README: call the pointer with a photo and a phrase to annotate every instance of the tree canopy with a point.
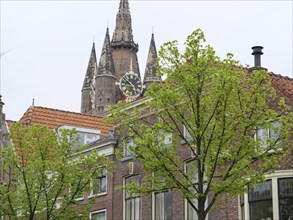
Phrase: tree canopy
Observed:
(197, 131)
(43, 174)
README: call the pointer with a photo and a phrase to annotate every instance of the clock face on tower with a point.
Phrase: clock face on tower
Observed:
(131, 85)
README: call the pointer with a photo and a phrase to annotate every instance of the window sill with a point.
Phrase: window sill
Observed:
(127, 158)
(79, 199)
(97, 195)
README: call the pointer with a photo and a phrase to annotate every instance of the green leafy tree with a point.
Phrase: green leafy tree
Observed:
(43, 174)
(209, 108)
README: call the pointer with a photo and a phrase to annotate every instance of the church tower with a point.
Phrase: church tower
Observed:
(88, 88)
(105, 88)
(124, 48)
(106, 83)
(151, 69)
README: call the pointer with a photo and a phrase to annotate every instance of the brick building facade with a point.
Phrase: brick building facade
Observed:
(102, 88)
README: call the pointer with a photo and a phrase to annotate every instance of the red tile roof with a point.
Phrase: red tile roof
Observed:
(54, 118)
(283, 84)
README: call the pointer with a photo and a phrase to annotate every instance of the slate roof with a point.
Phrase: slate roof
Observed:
(54, 118)
(283, 84)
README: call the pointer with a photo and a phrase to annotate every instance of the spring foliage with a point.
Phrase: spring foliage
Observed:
(43, 173)
(212, 107)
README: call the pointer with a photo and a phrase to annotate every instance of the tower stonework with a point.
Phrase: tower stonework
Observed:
(124, 48)
(151, 69)
(106, 90)
(88, 88)
(119, 56)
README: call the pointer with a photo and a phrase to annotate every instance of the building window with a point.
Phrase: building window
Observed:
(260, 201)
(272, 132)
(186, 133)
(86, 135)
(166, 136)
(130, 143)
(100, 182)
(285, 198)
(86, 138)
(163, 205)
(132, 200)
(191, 171)
(98, 215)
(242, 211)
(73, 190)
(272, 199)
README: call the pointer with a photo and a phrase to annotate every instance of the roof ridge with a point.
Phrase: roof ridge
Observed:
(66, 111)
(280, 76)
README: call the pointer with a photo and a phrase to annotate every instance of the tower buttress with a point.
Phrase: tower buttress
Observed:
(105, 87)
(151, 69)
(122, 43)
(88, 88)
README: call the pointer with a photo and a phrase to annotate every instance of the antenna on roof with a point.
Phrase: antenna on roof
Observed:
(33, 104)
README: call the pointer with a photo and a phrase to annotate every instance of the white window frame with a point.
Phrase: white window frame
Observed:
(154, 200)
(85, 131)
(279, 174)
(185, 200)
(154, 203)
(98, 211)
(268, 133)
(127, 152)
(124, 197)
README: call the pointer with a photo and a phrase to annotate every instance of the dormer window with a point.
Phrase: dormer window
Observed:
(86, 135)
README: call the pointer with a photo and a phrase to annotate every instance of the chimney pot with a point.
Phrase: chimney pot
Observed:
(257, 52)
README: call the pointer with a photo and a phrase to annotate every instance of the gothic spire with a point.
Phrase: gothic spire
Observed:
(150, 70)
(88, 88)
(91, 69)
(106, 64)
(122, 36)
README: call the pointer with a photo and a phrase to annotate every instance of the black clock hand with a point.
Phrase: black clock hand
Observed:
(130, 83)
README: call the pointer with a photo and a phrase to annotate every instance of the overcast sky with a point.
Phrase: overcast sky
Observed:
(48, 43)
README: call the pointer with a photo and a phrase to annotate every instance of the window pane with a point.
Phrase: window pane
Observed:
(260, 198)
(191, 213)
(100, 183)
(132, 200)
(168, 205)
(261, 191)
(242, 213)
(286, 198)
(275, 130)
(164, 206)
(286, 187)
(191, 170)
(81, 138)
(90, 137)
(130, 143)
(286, 208)
(159, 206)
(98, 216)
(129, 180)
(261, 210)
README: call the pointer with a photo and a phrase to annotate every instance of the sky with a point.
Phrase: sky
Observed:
(46, 44)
